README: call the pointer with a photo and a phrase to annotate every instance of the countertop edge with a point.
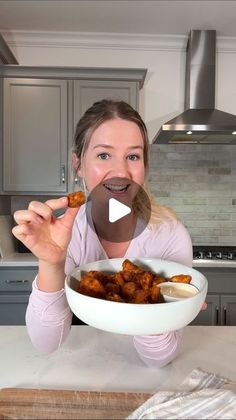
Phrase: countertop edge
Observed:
(17, 259)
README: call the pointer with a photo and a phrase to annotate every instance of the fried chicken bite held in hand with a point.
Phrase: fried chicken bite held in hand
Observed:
(76, 199)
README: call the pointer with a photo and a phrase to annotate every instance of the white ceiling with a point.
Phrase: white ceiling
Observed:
(125, 16)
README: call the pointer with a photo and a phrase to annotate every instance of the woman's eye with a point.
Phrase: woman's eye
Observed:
(133, 157)
(103, 156)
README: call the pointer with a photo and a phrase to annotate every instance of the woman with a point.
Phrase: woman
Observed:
(110, 149)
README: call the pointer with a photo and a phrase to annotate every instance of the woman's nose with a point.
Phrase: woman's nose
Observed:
(120, 168)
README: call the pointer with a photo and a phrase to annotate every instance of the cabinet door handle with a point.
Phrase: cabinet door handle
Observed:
(217, 315)
(63, 174)
(224, 315)
(16, 281)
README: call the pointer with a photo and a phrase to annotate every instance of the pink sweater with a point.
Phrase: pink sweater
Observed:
(48, 316)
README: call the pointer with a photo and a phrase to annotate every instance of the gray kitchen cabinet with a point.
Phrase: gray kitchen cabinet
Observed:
(15, 288)
(228, 310)
(86, 92)
(209, 316)
(13, 308)
(221, 297)
(1, 134)
(35, 135)
(41, 107)
(6, 55)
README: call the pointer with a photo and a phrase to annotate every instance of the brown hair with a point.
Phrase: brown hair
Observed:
(105, 110)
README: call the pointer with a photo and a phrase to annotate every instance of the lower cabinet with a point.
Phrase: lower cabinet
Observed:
(221, 310)
(13, 308)
(209, 316)
(228, 310)
(15, 288)
(221, 297)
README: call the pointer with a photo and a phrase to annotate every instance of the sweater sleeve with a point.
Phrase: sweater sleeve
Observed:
(48, 315)
(157, 351)
(48, 319)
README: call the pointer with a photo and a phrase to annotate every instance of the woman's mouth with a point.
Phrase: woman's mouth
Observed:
(116, 188)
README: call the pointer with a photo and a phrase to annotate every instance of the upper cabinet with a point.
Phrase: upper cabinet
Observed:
(40, 109)
(35, 135)
(86, 92)
(6, 56)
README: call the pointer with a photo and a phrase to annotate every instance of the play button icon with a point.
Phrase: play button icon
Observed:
(117, 210)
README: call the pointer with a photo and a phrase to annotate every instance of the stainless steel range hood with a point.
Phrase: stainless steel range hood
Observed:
(201, 122)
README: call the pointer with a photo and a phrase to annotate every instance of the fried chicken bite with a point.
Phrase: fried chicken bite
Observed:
(181, 278)
(128, 290)
(127, 265)
(145, 280)
(92, 287)
(112, 288)
(158, 279)
(155, 294)
(76, 199)
(114, 297)
(117, 278)
(128, 275)
(99, 275)
(140, 296)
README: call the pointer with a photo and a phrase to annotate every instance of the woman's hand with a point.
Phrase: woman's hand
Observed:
(46, 236)
(204, 306)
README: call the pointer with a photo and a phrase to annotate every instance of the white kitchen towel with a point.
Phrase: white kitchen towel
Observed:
(202, 395)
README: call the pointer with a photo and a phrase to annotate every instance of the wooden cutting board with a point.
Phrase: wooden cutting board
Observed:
(23, 403)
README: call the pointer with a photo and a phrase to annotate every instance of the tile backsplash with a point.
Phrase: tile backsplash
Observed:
(197, 181)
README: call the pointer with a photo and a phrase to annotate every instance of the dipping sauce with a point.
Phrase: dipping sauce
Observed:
(177, 291)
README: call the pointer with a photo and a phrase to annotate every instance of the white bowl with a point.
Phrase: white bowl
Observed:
(130, 318)
(173, 291)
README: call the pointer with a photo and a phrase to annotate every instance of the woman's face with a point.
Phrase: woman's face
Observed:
(116, 150)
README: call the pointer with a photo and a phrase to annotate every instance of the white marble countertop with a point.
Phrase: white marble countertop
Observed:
(95, 360)
(17, 259)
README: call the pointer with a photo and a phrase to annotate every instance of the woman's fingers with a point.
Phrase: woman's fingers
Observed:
(21, 231)
(39, 212)
(44, 234)
(204, 306)
(70, 214)
(69, 217)
(57, 203)
(41, 209)
(26, 216)
(45, 210)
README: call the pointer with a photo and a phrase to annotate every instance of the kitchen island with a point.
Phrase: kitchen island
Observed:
(95, 360)
(98, 375)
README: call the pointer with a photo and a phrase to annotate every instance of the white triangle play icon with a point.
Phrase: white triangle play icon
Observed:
(117, 210)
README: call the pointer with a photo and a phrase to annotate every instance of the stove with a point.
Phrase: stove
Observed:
(219, 253)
